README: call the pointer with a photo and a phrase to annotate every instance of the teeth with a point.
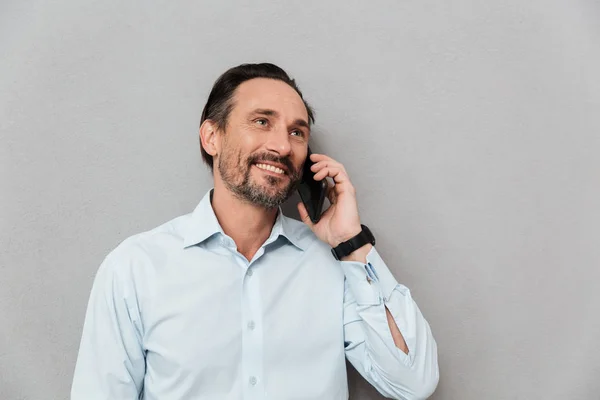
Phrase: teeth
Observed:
(271, 168)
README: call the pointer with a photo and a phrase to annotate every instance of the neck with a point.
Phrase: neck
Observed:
(247, 224)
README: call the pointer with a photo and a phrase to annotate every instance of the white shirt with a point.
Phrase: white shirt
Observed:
(177, 313)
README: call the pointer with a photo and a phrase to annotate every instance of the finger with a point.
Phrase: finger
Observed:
(331, 195)
(316, 157)
(338, 175)
(304, 215)
(327, 163)
(342, 183)
(334, 170)
(319, 159)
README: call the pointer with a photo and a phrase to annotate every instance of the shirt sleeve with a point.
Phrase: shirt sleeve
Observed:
(111, 362)
(369, 346)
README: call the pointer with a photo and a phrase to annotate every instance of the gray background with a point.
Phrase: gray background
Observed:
(470, 129)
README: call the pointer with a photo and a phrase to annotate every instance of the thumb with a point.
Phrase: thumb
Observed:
(304, 215)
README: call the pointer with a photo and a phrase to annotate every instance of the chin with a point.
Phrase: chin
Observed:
(271, 182)
(273, 192)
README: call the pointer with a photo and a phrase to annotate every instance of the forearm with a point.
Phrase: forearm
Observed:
(360, 255)
(396, 334)
(388, 339)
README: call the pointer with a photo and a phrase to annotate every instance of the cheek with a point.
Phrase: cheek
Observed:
(230, 149)
(300, 155)
(298, 165)
(244, 142)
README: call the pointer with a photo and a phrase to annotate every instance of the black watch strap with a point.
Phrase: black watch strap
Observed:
(358, 241)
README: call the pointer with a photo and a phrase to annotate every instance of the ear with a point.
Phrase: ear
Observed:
(209, 137)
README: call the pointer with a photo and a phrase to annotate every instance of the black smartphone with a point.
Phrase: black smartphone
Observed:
(312, 192)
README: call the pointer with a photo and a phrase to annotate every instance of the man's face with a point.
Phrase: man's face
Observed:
(265, 142)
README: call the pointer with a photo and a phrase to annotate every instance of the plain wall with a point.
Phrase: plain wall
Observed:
(471, 131)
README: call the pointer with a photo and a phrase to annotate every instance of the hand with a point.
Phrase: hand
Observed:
(341, 221)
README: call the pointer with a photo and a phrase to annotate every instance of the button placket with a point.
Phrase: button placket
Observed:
(252, 337)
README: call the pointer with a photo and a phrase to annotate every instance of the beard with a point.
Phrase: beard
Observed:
(268, 191)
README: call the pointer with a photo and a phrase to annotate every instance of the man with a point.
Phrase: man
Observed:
(237, 301)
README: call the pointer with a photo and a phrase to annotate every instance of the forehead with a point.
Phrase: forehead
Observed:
(269, 94)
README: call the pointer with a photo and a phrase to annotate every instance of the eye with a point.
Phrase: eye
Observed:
(297, 132)
(261, 121)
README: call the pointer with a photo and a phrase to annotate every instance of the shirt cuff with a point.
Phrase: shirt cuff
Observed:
(370, 283)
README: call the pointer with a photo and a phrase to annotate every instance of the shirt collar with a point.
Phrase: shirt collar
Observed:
(204, 224)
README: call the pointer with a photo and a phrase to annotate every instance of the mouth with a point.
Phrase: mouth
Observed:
(271, 169)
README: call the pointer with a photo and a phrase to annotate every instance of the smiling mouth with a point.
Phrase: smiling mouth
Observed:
(270, 168)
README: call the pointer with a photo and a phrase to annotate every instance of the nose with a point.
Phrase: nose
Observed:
(279, 142)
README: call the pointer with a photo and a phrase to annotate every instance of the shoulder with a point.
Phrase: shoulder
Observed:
(144, 248)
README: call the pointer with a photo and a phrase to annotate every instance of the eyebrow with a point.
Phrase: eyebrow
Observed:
(273, 113)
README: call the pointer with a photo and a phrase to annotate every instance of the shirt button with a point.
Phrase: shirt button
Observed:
(249, 272)
(253, 380)
(251, 325)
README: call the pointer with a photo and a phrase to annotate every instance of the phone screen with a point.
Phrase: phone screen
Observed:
(312, 192)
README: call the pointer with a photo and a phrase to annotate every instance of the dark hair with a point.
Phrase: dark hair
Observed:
(220, 100)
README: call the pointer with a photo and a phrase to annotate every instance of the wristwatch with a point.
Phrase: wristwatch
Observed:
(346, 248)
